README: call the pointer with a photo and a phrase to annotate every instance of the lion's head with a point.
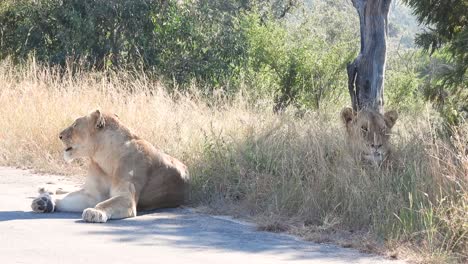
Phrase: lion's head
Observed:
(78, 137)
(369, 131)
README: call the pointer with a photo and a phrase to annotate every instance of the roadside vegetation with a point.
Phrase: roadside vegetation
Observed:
(248, 96)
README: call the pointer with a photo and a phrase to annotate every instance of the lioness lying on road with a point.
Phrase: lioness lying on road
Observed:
(125, 172)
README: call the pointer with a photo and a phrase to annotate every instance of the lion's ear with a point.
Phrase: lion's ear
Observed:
(347, 115)
(391, 118)
(100, 121)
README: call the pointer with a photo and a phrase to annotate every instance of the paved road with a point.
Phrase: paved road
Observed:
(169, 236)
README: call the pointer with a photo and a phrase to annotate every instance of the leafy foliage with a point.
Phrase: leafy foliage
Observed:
(98, 32)
(180, 41)
(296, 52)
(447, 30)
(403, 81)
(301, 63)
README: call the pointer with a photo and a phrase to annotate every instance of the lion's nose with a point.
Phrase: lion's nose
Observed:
(60, 136)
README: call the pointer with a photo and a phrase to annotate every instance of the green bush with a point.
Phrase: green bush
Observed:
(179, 42)
(100, 33)
(449, 97)
(217, 45)
(299, 56)
(403, 82)
(299, 62)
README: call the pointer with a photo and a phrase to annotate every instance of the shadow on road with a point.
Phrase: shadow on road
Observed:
(184, 229)
(29, 215)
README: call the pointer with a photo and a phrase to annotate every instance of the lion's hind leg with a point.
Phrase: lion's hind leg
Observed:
(43, 204)
(71, 202)
(76, 201)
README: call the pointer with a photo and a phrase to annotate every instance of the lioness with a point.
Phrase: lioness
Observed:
(125, 172)
(369, 131)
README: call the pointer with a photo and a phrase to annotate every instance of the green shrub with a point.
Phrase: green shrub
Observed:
(179, 42)
(298, 63)
(403, 82)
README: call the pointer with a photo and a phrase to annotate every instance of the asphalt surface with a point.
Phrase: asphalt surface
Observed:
(169, 236)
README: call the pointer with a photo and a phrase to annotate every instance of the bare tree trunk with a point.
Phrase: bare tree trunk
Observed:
(366, 73)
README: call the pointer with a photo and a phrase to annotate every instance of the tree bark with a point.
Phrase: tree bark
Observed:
(366, 73)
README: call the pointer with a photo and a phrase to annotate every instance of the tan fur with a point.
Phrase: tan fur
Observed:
(369, 132)
(125, 172)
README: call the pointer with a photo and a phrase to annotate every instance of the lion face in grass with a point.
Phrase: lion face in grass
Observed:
(369, 131)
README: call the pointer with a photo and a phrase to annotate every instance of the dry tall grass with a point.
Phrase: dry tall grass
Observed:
(284, 172)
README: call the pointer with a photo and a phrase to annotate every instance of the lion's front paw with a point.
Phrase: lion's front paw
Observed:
(94, 216)
(43, 204)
